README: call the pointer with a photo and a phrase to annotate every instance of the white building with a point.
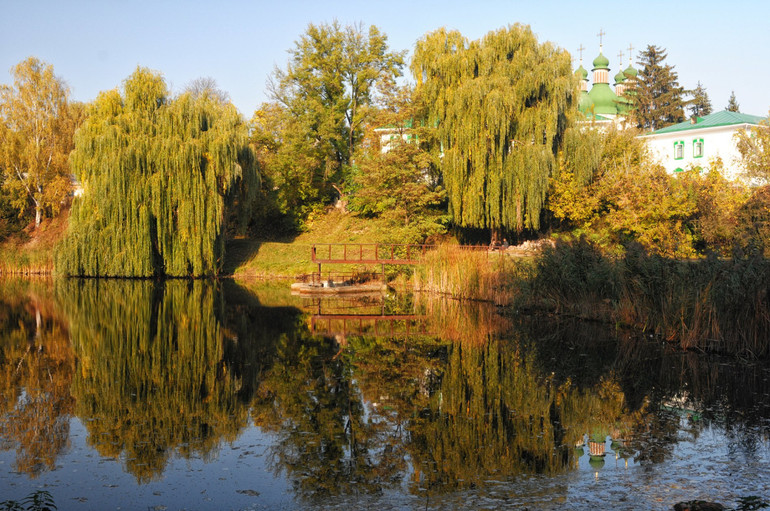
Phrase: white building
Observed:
(696, 143)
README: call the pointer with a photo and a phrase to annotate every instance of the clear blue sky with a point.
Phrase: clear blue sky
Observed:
(94, 45)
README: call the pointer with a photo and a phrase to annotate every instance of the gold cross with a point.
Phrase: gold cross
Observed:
(601, 34)
(580, 50)
(630, 52)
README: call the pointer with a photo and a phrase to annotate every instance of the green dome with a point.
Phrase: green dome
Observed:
(601, 62)
(620, 77)
(581, 73)
(604, 99)
(630, 71)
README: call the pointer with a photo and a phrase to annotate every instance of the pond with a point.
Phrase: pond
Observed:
(126, 394)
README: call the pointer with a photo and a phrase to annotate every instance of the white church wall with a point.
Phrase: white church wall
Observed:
(717, 142)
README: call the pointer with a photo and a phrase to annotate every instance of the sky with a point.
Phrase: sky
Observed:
(94, 45)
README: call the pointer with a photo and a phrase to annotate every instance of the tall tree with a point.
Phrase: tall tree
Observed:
(700, 104)
(158, 174)
(330, 82)
(501, 105)
(732, 103)
(657, 98)
(206, 85)
(36, 130)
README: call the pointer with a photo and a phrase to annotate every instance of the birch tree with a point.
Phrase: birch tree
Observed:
(36, 137)
(501, 105)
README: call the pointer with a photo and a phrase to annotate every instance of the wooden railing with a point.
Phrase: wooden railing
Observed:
(368, 253)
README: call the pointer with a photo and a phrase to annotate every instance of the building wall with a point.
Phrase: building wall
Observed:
(717, 142)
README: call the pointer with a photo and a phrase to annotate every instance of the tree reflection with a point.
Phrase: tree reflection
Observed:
(151, 378)
(161, 368)
(327, 444)
(36, 367)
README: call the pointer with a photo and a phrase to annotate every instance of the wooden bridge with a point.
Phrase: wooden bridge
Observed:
(368, 253)
(376, 253)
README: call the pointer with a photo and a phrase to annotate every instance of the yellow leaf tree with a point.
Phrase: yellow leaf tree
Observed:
(37, 125)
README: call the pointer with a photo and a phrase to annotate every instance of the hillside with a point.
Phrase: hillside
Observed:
(287, 258)
(32, 250)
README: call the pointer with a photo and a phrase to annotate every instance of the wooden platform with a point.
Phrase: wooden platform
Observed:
(338, 289)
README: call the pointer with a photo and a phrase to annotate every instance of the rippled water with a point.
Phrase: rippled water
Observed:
(201, 395)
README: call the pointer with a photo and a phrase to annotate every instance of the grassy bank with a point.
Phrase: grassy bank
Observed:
(473, 274)
(32, 251)
(290, 257)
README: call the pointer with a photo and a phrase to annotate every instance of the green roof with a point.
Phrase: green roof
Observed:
(591, 116)
(723, 118)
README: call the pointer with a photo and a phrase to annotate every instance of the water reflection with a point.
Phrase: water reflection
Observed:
(151, 376)
(36, 368)
(157, 370)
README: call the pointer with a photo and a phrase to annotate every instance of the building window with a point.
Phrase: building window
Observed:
(697, 148)
(678, 150)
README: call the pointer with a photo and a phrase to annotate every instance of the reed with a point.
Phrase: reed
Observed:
(17, 261)
(713, 305)
(472, 274)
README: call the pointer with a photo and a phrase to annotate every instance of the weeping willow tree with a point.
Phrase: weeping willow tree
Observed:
(158, 175)
(501, 106)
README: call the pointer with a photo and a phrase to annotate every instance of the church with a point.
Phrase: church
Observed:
(601, 104)
(692, 144)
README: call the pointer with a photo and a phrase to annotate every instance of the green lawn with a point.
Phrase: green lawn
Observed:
(251, 258)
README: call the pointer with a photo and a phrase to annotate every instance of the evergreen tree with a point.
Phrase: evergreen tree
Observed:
(732, 103)
(157, 174)
(657, 99)
(700, 105)
(501, 106)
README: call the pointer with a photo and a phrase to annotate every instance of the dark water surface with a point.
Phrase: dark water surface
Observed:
(213, 395)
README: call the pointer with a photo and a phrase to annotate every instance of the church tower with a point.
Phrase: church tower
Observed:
(605, 102)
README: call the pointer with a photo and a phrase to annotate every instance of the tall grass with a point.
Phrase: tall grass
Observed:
(715, 305)
(17, 261)
(711, 305)
(472, 274)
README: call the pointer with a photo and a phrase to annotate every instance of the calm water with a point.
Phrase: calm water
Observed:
(201, 395)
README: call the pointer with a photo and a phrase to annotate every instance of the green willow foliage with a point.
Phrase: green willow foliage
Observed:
(158, 174)
(501, 105)
(151, 380)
